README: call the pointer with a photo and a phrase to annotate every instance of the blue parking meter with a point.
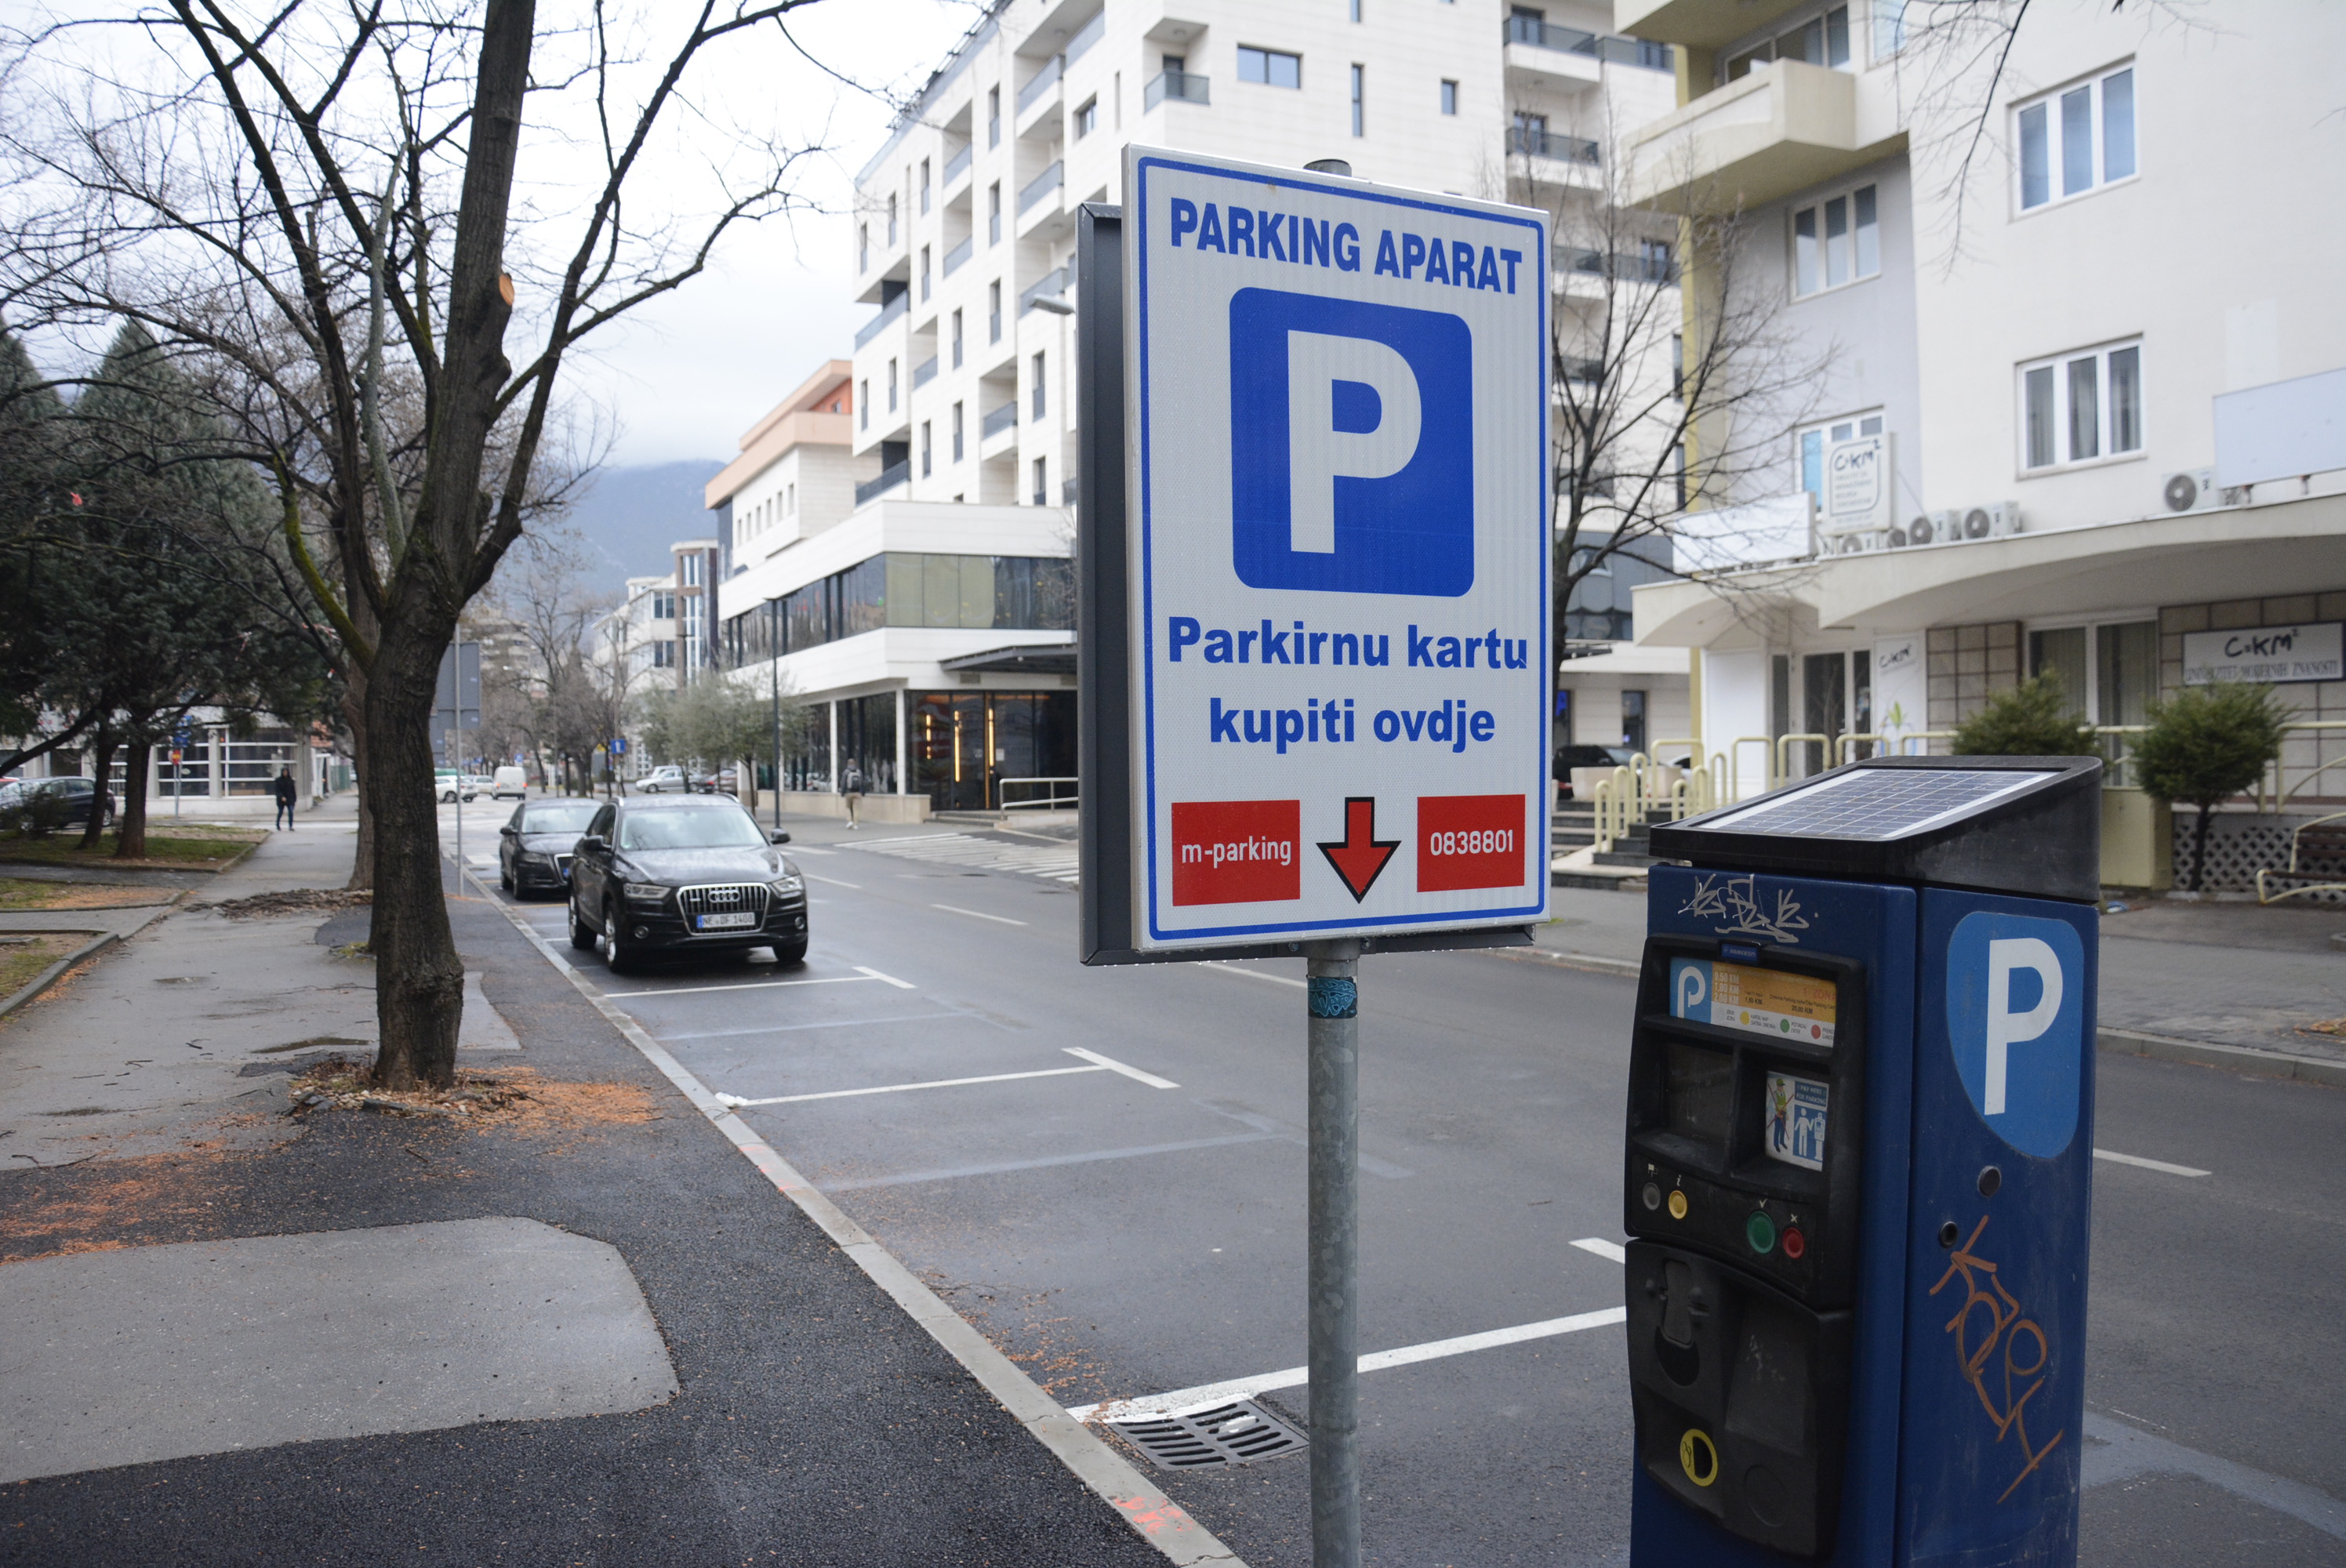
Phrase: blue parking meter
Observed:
(1859, 1161)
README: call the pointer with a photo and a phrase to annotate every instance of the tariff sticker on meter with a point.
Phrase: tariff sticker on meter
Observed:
(1753, 1000)
(1795, 1129)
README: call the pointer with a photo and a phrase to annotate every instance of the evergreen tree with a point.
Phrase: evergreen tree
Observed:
(2210, 743)
(2033, 720)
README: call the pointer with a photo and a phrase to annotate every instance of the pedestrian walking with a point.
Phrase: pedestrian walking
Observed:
(851, 784)
(285, 792)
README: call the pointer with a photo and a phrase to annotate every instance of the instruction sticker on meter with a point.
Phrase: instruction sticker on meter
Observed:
(1795, 1131)
(1753, 1000)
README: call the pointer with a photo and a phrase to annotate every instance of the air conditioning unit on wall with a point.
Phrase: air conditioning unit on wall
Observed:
(1926, 528)
(2193, 490)
(1996, 520)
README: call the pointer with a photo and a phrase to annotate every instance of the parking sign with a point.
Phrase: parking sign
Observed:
(1338, 535)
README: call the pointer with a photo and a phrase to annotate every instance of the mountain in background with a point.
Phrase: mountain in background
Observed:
(630, 516)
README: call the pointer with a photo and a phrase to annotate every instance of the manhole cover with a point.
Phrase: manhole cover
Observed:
(1237, 1434)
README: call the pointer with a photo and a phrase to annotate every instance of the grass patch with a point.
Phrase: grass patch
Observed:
(26, 893)
(205, 849)
(23, 958)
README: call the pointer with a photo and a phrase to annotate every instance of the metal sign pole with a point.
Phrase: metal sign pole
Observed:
(1332, 1240)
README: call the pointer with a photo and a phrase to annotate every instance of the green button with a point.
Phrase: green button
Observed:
(1761, 1232)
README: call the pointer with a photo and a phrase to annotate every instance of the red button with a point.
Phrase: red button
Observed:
(1794, 1244)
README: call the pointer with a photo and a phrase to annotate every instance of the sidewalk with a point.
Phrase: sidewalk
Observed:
(592, 1331)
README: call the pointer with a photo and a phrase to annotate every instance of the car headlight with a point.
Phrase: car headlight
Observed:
(647, 893)
(788, 887)
(535, 857)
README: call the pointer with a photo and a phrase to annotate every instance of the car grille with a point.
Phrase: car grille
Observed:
(562, 864)
(723, 898)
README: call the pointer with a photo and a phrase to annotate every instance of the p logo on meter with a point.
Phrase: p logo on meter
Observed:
(2015, 1021)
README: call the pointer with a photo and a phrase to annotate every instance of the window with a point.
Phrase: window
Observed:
(2082, 407)
(2107, 673)
(1270, 67)
(691, 565)
(925, 185)
(1087, 119)
(1889, 28)
(892, 386)
(663, 606)
(864, 403)
(993, 213)
(1677, 366)
(925, 449)
(1116, 97)
(1356, 10)
(863, 247)
(1836, 242)
(1678, 471)
(994, 311)
(1821, 40)
(664, 656)
(924, 272)
(1633, 720)
(2076, 140)
(956, 340)
(1360, 77)
(790, 501)
(1042, 490)
(993, 117)
(891, 220)
(1038, 386)
(1449, 96)
(957, 433)
(1813, 440)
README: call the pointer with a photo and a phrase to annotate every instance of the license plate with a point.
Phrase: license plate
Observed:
(724, 922)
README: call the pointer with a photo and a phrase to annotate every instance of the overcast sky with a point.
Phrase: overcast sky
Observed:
(694, 370)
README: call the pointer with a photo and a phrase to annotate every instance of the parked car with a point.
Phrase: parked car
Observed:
(1568, 757)
(46, 805)
(698, 875)
(533, 848)
(452, 785)
(510, 781)
(668, 779)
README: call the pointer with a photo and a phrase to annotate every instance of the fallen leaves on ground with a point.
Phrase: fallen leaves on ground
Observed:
(30, 893)
(2332, 1026)
(512, 1099)
(293, 901)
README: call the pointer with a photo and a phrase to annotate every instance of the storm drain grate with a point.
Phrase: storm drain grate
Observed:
(1237, 1434)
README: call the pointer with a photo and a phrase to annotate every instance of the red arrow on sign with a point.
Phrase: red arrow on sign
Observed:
(1362, 855)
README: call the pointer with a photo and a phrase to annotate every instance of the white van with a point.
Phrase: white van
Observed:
(510, 781)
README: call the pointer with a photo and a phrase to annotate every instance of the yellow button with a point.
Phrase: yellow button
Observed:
(1698, 1457)
(1678, 1205)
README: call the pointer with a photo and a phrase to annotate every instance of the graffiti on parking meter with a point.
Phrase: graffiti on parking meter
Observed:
(1987, 1304)
(1735, 900)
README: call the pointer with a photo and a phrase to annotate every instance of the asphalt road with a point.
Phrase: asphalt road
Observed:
(1125, 1239)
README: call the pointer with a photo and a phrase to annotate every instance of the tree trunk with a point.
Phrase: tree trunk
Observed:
(2199, 849)
(131, 844)
(420, 1014)
(102, 754)
(354, 710)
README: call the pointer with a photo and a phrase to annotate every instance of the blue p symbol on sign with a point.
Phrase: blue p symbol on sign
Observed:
(2015, 1019)
(1351, 446)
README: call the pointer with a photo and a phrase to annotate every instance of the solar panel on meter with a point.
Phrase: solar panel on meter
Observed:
(1874, 803)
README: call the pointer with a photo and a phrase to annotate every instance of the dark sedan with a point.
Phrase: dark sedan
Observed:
(535, 850)
(695, 874)
(40, 806)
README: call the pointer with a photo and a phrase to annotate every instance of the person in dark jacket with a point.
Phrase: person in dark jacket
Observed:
(284, 791)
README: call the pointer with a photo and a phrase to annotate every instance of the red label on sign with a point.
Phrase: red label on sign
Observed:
(1469, 841)
(1237, 851)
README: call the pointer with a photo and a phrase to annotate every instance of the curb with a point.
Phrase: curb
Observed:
(1588, 963)
(1158, 1520)
(49, 976)
(2246, 1059)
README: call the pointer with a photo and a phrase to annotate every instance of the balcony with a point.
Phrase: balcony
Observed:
(1756, 139)
(1044, 183)
(999, 420)
(893, 310)
(924, 373)
(957, 166)
(1530, 33)
(893, 475)
(1574, 262)
(1700, 24)
(1051, 285)
(1532, 142)
(1090, 33)
(1041, 85)
(959, 254)
(1177, 88)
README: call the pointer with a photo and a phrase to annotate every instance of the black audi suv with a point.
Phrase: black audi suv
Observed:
(533, 848)
(683, 874)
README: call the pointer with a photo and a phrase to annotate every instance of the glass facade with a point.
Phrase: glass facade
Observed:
(987, 593)
(962, 744)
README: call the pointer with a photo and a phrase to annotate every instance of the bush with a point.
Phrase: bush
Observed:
(2033, 720)
(2210, 743)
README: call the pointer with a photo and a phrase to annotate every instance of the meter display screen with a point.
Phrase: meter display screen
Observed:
(1755, 1000)
(1702, 1094)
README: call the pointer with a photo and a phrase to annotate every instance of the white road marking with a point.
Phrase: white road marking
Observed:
(1609, 1251)
(1205, 1394)
(833, 882)
(1151, 1079)
(1258, 975)
(745, 985)
(736, 1102)
(958, 1173)
(976, 914)
(886, 979)
(825, 1024)
(2116, 1158)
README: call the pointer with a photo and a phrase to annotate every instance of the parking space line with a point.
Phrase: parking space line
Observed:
(1255, 974)
(823, 1024)
(737, 1103)
(954, 1173)
(1113, 1065)
(1180, 1399)
(2116, 1158)
(886, 979)
(743, 985)
(1608, 1250)
(976, 914)
(832, 881)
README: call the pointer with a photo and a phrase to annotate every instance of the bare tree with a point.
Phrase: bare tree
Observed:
(316, 204)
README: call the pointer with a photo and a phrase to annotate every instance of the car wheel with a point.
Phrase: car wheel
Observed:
(790, 951)
(506, 879)
(618, 954)
(582, 935)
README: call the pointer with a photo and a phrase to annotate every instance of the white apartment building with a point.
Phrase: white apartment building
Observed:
(961, 385)
(2090, 439)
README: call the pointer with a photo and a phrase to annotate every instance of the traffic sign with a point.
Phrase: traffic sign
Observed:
(1338, 533)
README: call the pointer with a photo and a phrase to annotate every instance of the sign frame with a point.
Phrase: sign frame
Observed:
(1120, 824)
